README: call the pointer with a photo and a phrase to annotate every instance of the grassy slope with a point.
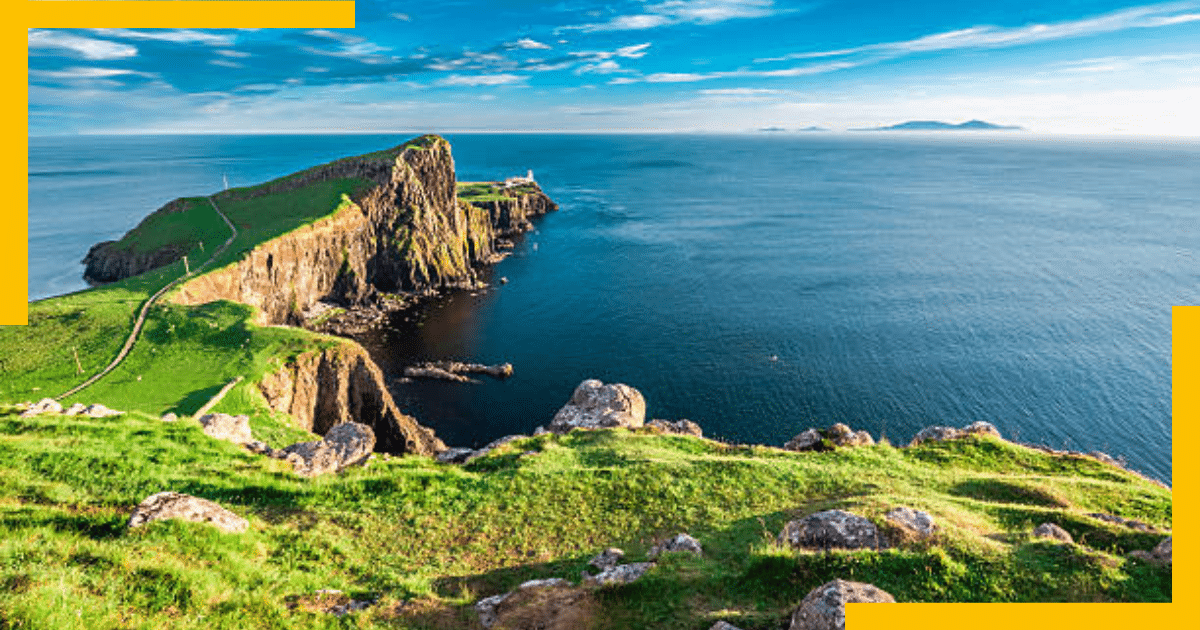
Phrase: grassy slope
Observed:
(440, 537)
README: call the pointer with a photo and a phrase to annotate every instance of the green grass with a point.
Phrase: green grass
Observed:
(186, 228)
(440, 537)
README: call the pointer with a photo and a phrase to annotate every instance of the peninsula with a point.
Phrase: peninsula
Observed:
(238, 468)
(937, 125)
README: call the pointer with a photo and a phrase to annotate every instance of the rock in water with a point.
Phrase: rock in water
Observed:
(595, 405)
(832, 529)
(166, 505)
(223, 426)
(345, 445)
(824, 608)
(1052, 531)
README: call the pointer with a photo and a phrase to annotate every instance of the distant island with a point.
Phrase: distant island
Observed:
(777, 129)
(937, 125)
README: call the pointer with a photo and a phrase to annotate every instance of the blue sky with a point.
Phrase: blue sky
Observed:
(1080, 67)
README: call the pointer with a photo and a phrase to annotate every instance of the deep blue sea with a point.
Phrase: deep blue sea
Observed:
(761, 284)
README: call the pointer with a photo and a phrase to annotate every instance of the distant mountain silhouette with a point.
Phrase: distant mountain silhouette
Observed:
(937, 125)
(776, 129)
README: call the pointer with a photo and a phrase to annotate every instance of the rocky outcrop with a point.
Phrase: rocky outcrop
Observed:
(455, 370)
(676, 427)
(45, 405)
(222, 426)
(824, 608)
(826, 439)
(1160, 555)
(941, 433)
(607, 559)
(595, 405)
(512, 215)
(345, 445)
(831, 529)
(1053, 532)
(914, 523)
(680, 543)
(325, 388)
(165, 505)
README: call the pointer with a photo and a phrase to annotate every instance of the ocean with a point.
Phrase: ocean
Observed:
(759, 284)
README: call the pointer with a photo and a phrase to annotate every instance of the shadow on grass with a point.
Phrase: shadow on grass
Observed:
(192, 402)
(94, 526)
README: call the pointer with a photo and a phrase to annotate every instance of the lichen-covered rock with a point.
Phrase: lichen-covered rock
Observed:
(1052, 531)
(824, 608)
(549, 604)
(917, 523)
(607, 559)
(595, 405)
(937, 434)
(619, 574)
(808, 440)
(680, 543)
(345, 445)
(223, 426)
(831, 529)
(981, 428)
(821, 439)
(677, 427)
(165, 505)
(45, 405)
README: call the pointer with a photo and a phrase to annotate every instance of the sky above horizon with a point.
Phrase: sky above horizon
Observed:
(1076, 67)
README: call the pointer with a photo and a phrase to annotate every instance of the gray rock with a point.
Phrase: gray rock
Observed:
(936, 434)
(680, 543)
(619, 574)
(223, 426)
(836, 435)
(832, 529)
(607, 559)
(75, 410)
(1127, 522)
(260, 448)
(1160, 555)
(918, 523)
(1052, 531)
(454, 455)
(678, 427)
(488, 607)
(824, 608)
(809, 440)
(45, 405)
(981, 428)
(724, 625)
(165, 505)
(495, 444)
(169, 417)
(595, 405)
(100, 411)
(345, 445)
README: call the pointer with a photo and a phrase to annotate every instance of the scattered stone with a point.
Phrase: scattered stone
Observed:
(919, 524)
(75, 410)
(680, 543)
(836, 435)
(678, 427)
(607, 559)
(454, 455)
(169, 417)
(619, 574)
(1127, 522)
(100, 411)
(824, 608)
(223, 426)
(1052, 531)
(832, 529)
(165, 505)
(552, 604)
(45, 405)
(595, 405)
(345, 445)
(724, 625)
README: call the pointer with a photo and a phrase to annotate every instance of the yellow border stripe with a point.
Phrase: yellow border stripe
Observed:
(190, 14)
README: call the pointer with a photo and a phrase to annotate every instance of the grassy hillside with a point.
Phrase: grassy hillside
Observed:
(429, 539)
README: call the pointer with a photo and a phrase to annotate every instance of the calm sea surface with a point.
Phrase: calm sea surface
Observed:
(759, 285)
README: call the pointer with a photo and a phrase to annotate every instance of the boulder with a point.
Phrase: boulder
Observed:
(75, 410)
(100, 411)
(223, 426)
(550, 604)
(832, 529)
(165, 505)
(45, 405)
(836, 435)
(824, 608)
(595, 405)
(915, 522)
(981, 428)
(936, 434)
(678, 427)
(607, 559)
(680, 543)
(1052, 531)
(618, 574)
(345, 445)
(1160, 555)
(169, 417)
(454, 455)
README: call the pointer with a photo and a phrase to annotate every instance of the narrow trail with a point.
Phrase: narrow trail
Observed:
(141, 319)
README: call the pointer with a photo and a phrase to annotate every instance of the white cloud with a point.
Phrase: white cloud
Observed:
(529, 44)
(325, 33)
(175, 36)
(226, 63)
(604, 67)
(233, 53)
(87, 73)
(86, 47)
(403, 17)
(626, 52)
(480, 80)
(740, 92)
(684, 12)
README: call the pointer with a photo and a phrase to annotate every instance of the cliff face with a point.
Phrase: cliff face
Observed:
(322, 389)
(109, 261)
(512, 215)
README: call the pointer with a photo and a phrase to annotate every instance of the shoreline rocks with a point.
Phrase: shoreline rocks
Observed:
(827, 439)
(595, 405)
(456, 371)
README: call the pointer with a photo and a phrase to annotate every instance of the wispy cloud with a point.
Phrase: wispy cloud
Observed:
(87, 73)
(673, 12)
(1150, 16)
(528, 44)
(86, 47)
(177, 36)
(478, 80)
(741, 73)
(627, 52)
